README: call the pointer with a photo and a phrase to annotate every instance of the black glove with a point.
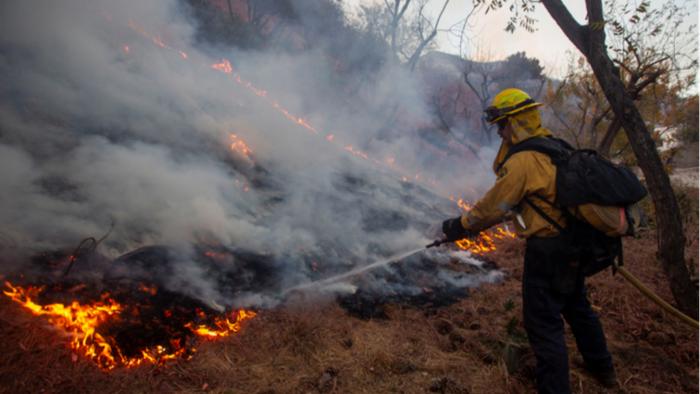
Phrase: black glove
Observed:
(454, 231)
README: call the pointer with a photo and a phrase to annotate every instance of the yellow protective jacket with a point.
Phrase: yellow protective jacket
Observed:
(524, 174)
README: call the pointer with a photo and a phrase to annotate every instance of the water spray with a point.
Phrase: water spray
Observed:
(320, 284)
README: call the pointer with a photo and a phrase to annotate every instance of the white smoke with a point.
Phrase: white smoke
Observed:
(111, 113)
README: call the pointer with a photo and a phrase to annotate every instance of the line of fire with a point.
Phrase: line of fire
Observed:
(348, 196)
(127, 318)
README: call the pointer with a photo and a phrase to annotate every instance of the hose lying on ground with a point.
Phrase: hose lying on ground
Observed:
(650, 294)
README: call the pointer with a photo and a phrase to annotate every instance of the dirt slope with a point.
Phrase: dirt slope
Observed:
(474, 346)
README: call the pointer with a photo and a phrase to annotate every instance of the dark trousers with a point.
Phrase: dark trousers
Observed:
(553, 287)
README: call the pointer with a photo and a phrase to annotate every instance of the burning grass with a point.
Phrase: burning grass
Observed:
(128, 333)
(474, 345)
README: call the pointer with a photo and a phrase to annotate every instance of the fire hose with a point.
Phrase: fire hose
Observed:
(655, 298)
(634, 282)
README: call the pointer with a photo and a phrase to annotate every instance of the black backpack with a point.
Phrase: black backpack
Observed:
(586, 179)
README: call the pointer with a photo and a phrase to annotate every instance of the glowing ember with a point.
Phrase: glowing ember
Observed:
(239, 146)
(158, 41)
(86, 323)
(356, 152)
(224, 66)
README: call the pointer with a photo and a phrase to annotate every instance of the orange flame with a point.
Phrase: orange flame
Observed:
(158, 41)
(484, 243)
(356, 152)
(463, 205)
(79, 320)
(238, 145)
(225, 326)
(82, 322)
(224, 66)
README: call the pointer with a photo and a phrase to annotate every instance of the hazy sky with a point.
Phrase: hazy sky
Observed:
(489, 40)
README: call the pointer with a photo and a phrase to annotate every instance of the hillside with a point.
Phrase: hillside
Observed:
(473, 346)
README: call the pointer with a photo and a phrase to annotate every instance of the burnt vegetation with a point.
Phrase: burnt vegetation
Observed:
(422, 323)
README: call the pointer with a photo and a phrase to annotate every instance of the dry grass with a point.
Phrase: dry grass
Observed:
(474, 346)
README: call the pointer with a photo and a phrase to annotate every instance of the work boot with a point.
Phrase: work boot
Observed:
(606, 378)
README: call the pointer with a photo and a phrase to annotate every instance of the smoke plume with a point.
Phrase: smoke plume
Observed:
(111, 112)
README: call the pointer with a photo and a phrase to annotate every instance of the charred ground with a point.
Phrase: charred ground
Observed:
(475, 345)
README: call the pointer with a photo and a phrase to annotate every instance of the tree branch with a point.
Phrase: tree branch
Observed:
(573, 30)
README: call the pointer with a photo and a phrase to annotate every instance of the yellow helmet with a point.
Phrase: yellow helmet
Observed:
(508, 102)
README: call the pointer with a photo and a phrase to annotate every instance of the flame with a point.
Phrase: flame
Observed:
(152, 290)
(224, 326)
(484, 243)
(82, 321)
(224, 66)
(238, 145)
(356, 152)
(158, 41)
(463, 205)
(78, 320)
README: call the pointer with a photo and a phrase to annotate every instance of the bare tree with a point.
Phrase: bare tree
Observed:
(479, 75)
(405, 26)
(649, 45)
(451, 107)
(578, 106)
(426, 31)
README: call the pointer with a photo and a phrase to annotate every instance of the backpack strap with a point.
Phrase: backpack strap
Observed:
(557, 149)
(543, 214)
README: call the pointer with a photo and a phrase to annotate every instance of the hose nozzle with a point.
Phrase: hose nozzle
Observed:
(437, 243)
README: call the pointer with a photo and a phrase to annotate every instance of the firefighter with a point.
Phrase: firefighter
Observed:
(552, 287)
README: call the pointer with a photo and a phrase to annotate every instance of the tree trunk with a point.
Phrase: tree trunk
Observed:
(590, 40)
(609, 137)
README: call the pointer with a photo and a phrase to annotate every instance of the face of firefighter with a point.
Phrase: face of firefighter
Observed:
(505, 132)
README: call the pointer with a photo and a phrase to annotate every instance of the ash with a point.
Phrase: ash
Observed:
(427, 280)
